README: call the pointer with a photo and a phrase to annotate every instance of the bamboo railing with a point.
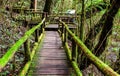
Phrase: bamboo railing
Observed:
(54, 19)
(38, 30)
(65, 32)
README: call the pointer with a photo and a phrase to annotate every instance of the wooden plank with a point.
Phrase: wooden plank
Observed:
(55, 26)
(52, 59)
(51, 67)
(47, 75)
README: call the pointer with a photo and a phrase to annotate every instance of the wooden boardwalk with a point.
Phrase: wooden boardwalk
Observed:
(51, 58)
(55, 26)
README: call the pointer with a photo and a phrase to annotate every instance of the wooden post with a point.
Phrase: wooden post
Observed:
(35, 6)
(65, 36)
(13, 67)
(62, 30)
(59, 27)
(62, 33)
(74, 51)
(39, 31)
(27, 51)
(43, 25)
(36, 35)
(44, 21)
(42, 28)
(82, 21)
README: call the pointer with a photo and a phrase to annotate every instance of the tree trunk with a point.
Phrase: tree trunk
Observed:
(32, 4)
(105, 24)
(47, 7)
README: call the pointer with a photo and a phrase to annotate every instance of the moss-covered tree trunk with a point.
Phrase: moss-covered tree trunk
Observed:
(106, 30)
(105, 27)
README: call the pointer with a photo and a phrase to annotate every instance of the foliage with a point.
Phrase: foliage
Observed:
(89, 4)
(22, 4)
(41, 4)
(62, 6)
(11, 31)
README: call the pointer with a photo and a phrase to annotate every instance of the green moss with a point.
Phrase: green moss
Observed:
(100, 64)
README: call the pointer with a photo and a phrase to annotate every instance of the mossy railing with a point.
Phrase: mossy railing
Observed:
(65, 31)
(29, 15)
(38, 30)
(64, 37)
(68, 19)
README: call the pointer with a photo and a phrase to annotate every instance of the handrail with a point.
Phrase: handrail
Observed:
(100, 64)
(62, 16)
(27, 65)
(68, 19)
(73, 63)
(10, 53)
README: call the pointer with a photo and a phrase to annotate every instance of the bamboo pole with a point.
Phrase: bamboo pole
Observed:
(36, 35)
(95, 60)
(76, 68)
(64, 38)
(10, 52)
(27, 65)
(73, 63)
(74, 51)
(82, 21)
(27, 50)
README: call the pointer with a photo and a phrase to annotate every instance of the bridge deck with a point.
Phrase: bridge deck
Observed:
(51, 59)
(55, 26)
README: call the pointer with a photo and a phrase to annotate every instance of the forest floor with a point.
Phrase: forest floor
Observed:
(10, 32)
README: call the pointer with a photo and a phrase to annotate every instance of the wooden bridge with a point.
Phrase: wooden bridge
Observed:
(53, 52)
(52, 60)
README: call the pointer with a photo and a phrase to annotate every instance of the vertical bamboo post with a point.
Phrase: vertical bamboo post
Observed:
(36, 35)
(27, 50)
(62, 33)
(43, 25)
(27, 45)
(64, 38)
(62, 30)
(45, 15)
(14, 67)
(74, 51)
(40, 30)
(59, 27)
(82, 21)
